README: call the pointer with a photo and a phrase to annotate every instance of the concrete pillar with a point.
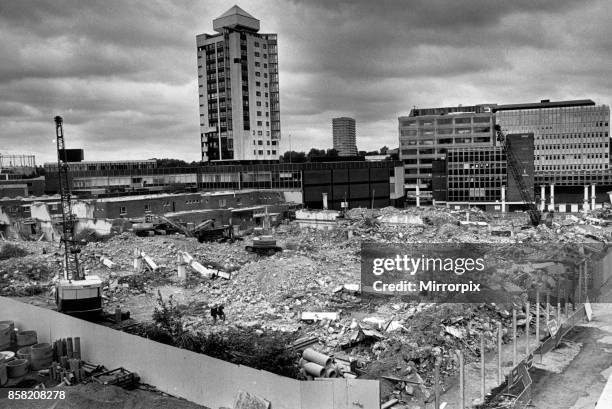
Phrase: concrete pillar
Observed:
(593, 196)
(418, 193)
(542, 198)
(585, 201)
(503, 199)
(552, 196)
(324, 201)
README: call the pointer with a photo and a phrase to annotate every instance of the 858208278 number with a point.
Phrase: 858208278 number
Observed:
(36, 395)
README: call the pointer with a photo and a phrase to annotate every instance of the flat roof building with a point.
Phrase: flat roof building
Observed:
(568, 135)
(427, 134)
(571, 139)
(238, 90)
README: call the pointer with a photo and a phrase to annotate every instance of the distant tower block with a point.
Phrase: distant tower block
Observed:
(344, 136)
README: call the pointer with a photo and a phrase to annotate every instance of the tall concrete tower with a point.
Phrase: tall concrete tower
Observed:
(344, 136)
(238, 90)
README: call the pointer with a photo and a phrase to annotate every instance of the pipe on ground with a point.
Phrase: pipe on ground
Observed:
(316, 357)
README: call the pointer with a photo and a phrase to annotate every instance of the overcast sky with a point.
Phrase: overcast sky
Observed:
(123, 74)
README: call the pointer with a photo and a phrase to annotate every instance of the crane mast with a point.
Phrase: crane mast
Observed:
(71, 248)
(516, 170)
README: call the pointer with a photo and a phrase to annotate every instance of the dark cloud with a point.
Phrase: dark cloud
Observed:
(123, 74)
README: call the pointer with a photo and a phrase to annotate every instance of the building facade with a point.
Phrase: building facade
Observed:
(570, 136)
(427, 135)
(344, 135)
(238, 90)
(482, 175)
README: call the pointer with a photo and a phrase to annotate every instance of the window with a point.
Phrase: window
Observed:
(257, 74)
(268, 152)
(147, 207)
(256, 54)
(260, 133)
(260, 152)
(258, 103)
(256, 44)
(257, 84)
(222, 202)
(259, 142)
(259, 123)
(257, 63)
(122, 210)
(258, 113)
(258, 93)
(273, 152)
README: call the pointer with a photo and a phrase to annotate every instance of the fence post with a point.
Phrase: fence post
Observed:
(482, 367)
(513, 337)
(499, 353)
(527, 319)
(537, 317)
(579, 283)
(437, 384)
(547, 307)
(461, 381)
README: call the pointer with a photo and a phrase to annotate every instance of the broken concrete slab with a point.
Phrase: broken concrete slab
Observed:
(319, 316)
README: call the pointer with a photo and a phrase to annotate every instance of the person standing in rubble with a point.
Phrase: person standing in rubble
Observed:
(220, 312)
(213, 312)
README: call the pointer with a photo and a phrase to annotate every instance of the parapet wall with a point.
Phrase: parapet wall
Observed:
(198, 378)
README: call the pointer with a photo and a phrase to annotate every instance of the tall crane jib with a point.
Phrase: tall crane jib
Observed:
(516, 169)
(71, 248)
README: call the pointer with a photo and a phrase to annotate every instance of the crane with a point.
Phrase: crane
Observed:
(517, 171)
(76, 293)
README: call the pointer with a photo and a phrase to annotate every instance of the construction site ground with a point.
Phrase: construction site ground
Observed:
(267, 294)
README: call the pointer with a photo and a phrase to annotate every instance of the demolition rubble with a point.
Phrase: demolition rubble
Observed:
(310, 291)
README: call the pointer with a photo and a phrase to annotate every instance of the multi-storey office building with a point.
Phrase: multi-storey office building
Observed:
(482, 175)
(238, 90)
(569, 136)
(344, 135)
(427, 134)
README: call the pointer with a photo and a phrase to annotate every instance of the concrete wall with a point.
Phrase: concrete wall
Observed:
(195, 377)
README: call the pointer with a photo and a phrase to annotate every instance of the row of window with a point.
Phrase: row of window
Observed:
(446, 121)
(261, 152)
(573, 136)
(572, 167)
(572, 146)
(260, 142)
(568, 157)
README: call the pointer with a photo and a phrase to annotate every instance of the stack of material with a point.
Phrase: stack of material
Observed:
(314, 364)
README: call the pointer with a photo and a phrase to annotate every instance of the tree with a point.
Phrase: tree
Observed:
(314, 152)
(170, 163)
(294, 157)
(331, 153)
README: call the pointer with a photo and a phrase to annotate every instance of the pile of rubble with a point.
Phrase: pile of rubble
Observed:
(311, 288)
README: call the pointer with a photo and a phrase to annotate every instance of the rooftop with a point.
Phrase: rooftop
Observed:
(545, 104)
(236, 18)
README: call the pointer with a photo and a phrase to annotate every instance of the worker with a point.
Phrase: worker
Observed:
(220, 312)
(214, 312)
